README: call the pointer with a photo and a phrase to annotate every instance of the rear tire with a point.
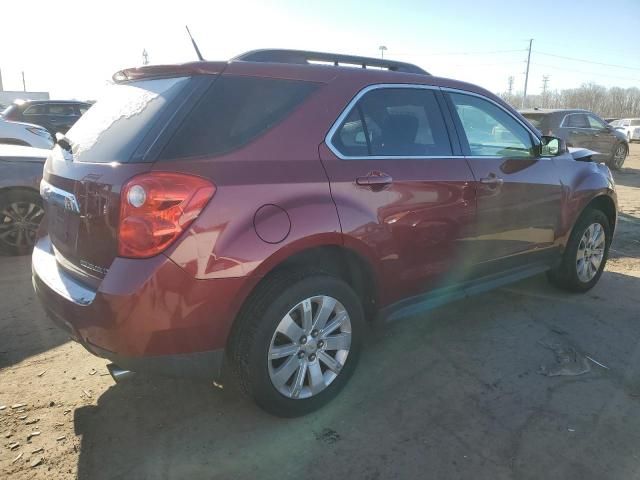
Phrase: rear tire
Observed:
(582, 265)
(262, 355)
(20, 214)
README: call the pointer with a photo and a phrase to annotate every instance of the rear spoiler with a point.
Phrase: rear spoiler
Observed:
(168, 71)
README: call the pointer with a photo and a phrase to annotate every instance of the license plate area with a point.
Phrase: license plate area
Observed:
(63, 226)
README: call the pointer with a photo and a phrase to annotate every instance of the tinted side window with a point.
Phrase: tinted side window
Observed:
(491, 131)
(576, 120)
(595, 123)
(233, 112)
(398, 122)
(36, 110)
(61, 109)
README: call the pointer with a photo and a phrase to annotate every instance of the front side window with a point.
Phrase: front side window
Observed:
(491, 131)
(595, 123)
(394, 122)
(576, 120)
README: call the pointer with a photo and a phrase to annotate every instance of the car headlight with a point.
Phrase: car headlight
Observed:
(41, 132)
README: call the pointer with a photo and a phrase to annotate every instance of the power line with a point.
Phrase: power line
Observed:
(586, 61)
(480, 53)
(586, 73)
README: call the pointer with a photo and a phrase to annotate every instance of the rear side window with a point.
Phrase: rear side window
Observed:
(576, 120)
(394, 122)
(65, 110)
(36, 110)
(234, 111)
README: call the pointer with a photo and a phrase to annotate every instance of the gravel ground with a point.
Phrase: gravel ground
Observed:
(454, 393)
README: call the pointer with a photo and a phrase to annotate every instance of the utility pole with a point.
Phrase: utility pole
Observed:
(145, 57)
(526, 77)
(545, 81)
(382, 48)
(24, 85)
(510, 89)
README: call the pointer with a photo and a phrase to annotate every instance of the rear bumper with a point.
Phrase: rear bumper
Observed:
(147, 315)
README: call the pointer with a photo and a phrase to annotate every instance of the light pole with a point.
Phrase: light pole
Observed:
(382, 49)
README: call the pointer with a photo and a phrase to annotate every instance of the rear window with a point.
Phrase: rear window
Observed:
(635, 123)
(535, 119)
(234, 111)
(112, 129)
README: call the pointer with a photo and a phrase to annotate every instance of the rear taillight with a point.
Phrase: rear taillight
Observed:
(155, 208)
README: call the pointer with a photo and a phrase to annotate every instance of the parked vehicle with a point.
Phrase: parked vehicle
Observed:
(630, 127)
(583, 129)
(25, 134)
(21, 207)
(260, 210)
(54, 115)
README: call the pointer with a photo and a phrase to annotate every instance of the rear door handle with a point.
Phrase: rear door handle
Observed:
(374, 179)
(492, 179)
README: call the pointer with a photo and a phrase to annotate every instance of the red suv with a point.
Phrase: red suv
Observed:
(257, 211)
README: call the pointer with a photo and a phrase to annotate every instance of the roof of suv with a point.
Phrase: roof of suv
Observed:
(40, 102)
(552, 110)
(302, 65)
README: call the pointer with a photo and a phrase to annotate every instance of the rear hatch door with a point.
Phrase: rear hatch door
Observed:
(114, 141)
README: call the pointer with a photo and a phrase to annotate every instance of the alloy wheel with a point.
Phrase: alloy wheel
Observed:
(309, 347)
(19, 223)
(619, 155)
(590, 252)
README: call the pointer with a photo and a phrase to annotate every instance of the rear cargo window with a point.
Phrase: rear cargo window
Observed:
(535, 119)
(112, 129)
(234, 111)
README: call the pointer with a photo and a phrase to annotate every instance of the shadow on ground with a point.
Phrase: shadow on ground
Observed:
(453, 393)
(627, 176)
(24, 328)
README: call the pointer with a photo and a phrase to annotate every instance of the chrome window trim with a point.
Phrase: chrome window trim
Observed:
(484, 97)
(347, 110)
(562, 125)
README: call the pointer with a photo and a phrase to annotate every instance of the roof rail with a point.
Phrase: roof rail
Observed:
(306, 57)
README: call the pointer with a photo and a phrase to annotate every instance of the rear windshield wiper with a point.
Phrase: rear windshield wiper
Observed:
(64, 141)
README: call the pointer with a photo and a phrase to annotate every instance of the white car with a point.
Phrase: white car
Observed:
(27, 134)
(629, 126)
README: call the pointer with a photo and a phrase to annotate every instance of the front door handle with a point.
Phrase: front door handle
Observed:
(374, 179)
(492, 179)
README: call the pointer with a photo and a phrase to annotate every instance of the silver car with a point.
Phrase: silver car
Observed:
(20, 204)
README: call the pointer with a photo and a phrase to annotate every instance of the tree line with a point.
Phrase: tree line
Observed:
(614, 102)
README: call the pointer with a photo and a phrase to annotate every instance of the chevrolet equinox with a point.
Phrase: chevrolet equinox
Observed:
(257, 212)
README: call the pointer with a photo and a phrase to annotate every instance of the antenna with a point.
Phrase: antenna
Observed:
(195, 46)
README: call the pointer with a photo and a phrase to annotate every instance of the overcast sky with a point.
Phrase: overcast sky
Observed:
(71, 48)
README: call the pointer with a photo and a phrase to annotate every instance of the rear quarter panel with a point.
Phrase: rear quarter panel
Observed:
(281, 170)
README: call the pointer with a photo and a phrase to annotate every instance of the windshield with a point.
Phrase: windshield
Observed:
(111, 129)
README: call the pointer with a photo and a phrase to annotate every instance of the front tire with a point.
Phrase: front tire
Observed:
(586, 253)
(618, 157)
(20, 214)
(297, 342)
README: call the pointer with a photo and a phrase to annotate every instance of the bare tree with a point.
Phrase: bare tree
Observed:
(614, 102)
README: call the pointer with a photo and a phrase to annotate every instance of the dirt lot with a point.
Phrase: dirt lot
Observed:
(455, 393)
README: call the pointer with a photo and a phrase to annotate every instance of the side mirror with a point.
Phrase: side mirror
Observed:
(552, 146)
